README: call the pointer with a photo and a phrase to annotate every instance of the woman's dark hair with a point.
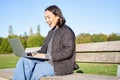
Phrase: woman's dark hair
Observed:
(57, 12)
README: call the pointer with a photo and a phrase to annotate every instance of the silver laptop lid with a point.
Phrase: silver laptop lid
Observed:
(17, 47)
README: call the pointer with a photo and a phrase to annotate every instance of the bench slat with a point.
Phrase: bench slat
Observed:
(98, 46)
(78, 76)
(7, 73)
(32, 49)
(108, 58)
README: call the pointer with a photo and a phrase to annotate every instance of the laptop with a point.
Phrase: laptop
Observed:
(19, 51)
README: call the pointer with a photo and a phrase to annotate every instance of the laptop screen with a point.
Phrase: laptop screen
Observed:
(17, 47)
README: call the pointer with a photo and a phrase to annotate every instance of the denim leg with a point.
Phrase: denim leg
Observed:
(42, 69)
(23, 69)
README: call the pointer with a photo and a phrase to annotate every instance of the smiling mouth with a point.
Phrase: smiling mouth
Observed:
(49, 23)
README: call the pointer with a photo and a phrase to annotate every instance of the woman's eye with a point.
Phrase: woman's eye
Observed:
(48, 17)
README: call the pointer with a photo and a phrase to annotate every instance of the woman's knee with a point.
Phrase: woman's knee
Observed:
(45, 67)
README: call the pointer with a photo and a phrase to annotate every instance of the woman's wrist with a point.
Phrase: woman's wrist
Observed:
(35, 52)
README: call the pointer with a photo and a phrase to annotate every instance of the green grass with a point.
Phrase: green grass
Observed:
(101, 69)
(9, 61)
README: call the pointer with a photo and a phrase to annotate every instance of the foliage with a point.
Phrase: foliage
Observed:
(38, 29)
(31, 31)
(87, 38)
(23, 40)
(27, 41)
(83, 38)
(35, 40)
(114, 37)
(99, 37)
(12, 36)
(5, 47)
(0, 40)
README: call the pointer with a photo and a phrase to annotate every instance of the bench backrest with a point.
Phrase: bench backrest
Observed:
(103, 52)
(100, 52)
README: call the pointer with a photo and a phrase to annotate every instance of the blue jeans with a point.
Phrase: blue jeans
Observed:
(27, 69)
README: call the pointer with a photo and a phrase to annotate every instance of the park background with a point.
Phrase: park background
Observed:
(91, 20)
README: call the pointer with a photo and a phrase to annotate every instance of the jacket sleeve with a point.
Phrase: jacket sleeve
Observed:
(67, 48)
(43, 49)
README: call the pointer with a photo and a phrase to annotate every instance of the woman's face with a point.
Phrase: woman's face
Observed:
(51, 19)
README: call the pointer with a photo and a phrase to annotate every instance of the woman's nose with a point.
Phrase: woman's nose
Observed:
(47, 20)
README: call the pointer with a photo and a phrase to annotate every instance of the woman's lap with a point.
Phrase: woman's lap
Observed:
(32, 69)
(42, 69)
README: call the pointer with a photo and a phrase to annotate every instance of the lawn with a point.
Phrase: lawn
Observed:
(101, 69)
(9, 61)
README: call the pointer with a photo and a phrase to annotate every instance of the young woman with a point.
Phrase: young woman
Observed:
(59, 47)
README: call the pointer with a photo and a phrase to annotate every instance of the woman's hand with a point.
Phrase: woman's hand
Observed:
(40, 55)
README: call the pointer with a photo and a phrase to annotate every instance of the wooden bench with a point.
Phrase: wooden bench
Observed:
(100, 52)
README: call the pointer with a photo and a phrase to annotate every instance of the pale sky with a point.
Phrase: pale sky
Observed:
(83, 16)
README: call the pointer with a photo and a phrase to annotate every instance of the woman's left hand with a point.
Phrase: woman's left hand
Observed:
(40, 55)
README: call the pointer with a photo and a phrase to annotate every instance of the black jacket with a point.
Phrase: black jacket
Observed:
(63, 50)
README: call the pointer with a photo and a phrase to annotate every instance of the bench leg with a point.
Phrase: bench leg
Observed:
(118, 71)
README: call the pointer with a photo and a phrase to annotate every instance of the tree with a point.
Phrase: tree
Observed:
(83, 38)
(99, 37)
(12, 36)
(0, 40)
(10, 30)
(38, 29)
(114, 37)
(31, 31)
(5, 47)
(35, 40)
(25, 34)
(24, 39)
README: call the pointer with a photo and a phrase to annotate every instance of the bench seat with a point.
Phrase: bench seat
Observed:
(8, 74)
(79, 76)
